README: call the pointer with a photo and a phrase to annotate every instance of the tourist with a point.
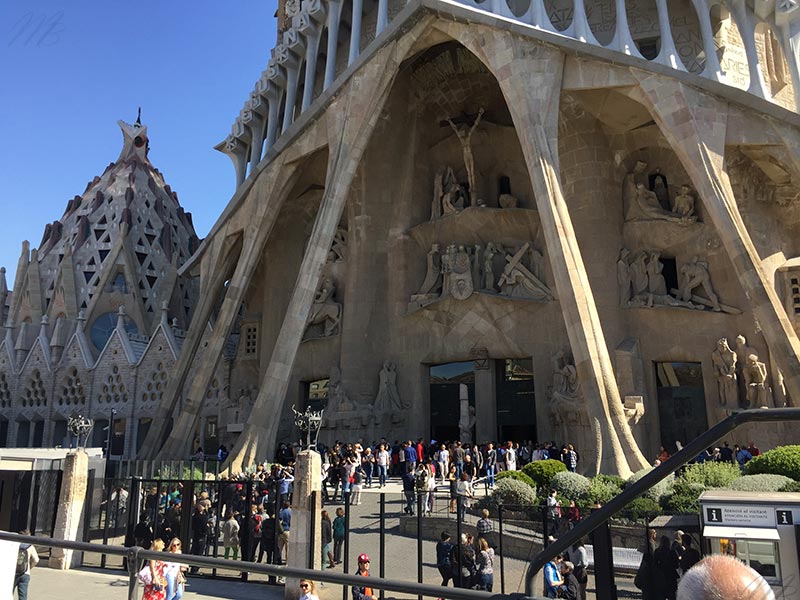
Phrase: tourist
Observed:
(726, 454)
(753, 449)
(357, 482)
(578, 556)
(269, 539)
(452, 478)
(571, 459)
(363, 592)
(510, 457)
(443, 461)
(199, 532)
(143, 533)
(308, 591)
(570, 590)
(368, 465)
(27, 559)
(174, 573)
(469, 467)
(458, 458)
(484, 576)
(465, 562)
(430, 487)
(230, 536)
(477, 458)
(152, 575)
(443, 551)
(465, 495)
(382, 461)
(553, 582)
(665, 570)
(490, 462)
(721, 576)
(485, 527)
(327, 538)
(409, 486)
(690, 556)
(339, 533)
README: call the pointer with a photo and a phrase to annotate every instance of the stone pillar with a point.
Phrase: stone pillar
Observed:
(305, 539)
(485, 404)
(70, 509)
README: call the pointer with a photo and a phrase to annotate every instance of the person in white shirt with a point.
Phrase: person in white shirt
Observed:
(382, 459)
(511, 457)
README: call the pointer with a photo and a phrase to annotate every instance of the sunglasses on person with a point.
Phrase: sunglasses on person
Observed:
(303, 585)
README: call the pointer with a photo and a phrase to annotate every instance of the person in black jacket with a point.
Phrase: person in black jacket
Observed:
(665, 563)
(199, 532)
(570, 589)
(443, 551)
(327, 539)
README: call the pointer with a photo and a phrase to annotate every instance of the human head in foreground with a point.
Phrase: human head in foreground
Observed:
(722, 577)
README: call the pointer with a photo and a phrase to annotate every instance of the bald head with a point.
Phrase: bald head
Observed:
(722, 577)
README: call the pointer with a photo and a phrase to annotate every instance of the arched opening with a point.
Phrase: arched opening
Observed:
(730, 48)
(774, 67)
(644, 28)
(602, 19)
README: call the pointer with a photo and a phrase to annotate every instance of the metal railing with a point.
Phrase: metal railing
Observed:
(599, 518)
(135, 556)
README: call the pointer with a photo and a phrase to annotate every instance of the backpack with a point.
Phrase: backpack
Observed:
(23, 560)
(421, 480)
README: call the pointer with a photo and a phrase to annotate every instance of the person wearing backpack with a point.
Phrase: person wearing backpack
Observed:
(27, 558)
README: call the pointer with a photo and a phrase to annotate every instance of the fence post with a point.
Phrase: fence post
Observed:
(106, 502)
(603, 563)
(420, 499)
(346, 500)
(500, 548)
(133, 572)
(545, 532)
(313, 532)
(134, 500)
(459, 499)
(219, 521)
(187, 491)
(382, 543)
(248, 545)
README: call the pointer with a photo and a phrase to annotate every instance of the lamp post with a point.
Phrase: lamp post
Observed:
(108, 440)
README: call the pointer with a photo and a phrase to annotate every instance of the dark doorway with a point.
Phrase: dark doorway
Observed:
(3, 433)
(315, 393)
(516, 400)
(681, 403)
(23, 434)
(38, 434)
(447, 384)
(60, 438)
(143, 429)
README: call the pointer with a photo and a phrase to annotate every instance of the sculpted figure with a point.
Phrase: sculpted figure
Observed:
(567, 407)
(649, 207)
(683, 205)
(518, 282)
(388, 399)
(339, 246)
(325, 310)
(507, 201)
(629, 190)
(338, 401)
(695, 274)
(466, 422)
(656, 284)
(659, 186)
(755, 380)
(465, 139)
(460, 275)
(488, 267)
(438, 190)
(640, 280)
(452, 200)
(476, 267)
(724, 361)
(433, 275)
(624, 278)
(447, 267)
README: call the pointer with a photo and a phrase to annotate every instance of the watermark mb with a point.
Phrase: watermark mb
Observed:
(38, 30)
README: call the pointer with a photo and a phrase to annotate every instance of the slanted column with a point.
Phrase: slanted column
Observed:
(623, 41)
(713, 70)
(383, 17)
(312, 31)
(255, 125)
(747, 29)
(790, 48)
(580, 24)
(355, 31)
(334, 16)
(291, 64)
(668, 55)
(277, 79)
(260, 107)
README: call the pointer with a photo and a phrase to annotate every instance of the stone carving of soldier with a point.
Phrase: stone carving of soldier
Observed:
(388, 398)
(724, 361)
(325, 309)
(695, 274)
(488, 267)
(755, 379)
(624, 278)
(433, 274)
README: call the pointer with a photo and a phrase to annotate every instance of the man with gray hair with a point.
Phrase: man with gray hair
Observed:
(722, 577)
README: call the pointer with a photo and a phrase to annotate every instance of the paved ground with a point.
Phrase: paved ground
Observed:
(401, 561)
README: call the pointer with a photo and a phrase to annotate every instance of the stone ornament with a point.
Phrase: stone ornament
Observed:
(326, 314)
(755, 380)
(464, 134)
(724, 360)
(80, 428)
(448, 195)
(634, 409)
(462, 271)
(338, 400)
(338, 246)
(643, 204)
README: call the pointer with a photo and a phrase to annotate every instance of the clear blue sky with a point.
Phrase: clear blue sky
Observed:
(70, 70)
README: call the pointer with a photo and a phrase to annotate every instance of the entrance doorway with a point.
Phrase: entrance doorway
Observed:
(449, 383)
(315, 394)
(681, 403)
(516, 400)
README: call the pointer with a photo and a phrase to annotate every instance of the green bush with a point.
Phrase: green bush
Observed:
(655, 493)
(684, 498)
(571, 485)
(763, 482)
(600, 490)
(514, 493)
(783, 460)
(794, 486)
(517, 475)
(611, 480)
(641, 508)
(543, 471)
(711, 474)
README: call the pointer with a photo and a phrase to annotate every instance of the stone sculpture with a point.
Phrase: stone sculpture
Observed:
(448, 195)
(464, 135)
(488, 267)
(339, 246)
(656, 284)
(518, 282)
(633, 408)
(325, 311)
(695, 274)
(476, 267)
(642, 204)
(755, 380)
(433, 275)
(567, 410)
(507, 201)
(388, 399)
(438, 192)
(624, 278)
(466, 422)
(338, 400)
(460, 274)
(724, 361)
(683, 204)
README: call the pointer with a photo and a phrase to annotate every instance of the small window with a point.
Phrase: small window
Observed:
(251, 340)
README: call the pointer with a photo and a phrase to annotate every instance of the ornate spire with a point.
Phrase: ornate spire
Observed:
(135, 141)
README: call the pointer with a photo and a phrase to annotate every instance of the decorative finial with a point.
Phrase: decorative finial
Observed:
(138, 119)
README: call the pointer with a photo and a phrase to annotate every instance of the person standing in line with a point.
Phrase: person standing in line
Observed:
(570, 589)
(368, 464)
(30, 559)
(155, 589)
(308, 591)
(363, 592)
(199, 532)
(490, 462)
(578, 557)
(452, 479)
(458, 458)
(553, 582)
(443, 460)
(285, 517)
(443, 551)
(230, 536)
(339, 533)
(486, 528)
(484, 577)
(465, 495)
(409, 483)
(382, 461)
(327, 538)
(511, 457)
(665, 563)
(572, 458)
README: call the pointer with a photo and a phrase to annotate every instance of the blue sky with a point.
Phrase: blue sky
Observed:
(70, 70)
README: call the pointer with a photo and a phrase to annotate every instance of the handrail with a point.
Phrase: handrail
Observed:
(136, 553)
(636, 489)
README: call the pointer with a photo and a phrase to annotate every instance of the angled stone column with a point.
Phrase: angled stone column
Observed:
(694, 124)
(273, 188)
(530, 77)
(334, 15)
(351, 119)
(70, 509)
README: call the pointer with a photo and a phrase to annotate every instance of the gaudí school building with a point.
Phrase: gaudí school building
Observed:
(509, 219)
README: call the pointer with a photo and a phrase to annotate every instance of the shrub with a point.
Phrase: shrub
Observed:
(711, 474)
(601, 490)
(794, 486)
(783, 460)
(571, 485)
(611, 480)
(684, 498)
(517, 475)
(513, 493)
(662, 488)
(542, 471)
(641, 508)
(763, 482)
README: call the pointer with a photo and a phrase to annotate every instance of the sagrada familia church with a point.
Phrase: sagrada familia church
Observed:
(510, 219)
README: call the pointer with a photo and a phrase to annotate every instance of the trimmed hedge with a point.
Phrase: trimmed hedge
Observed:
(518, 476)
(711, 474)
(543, 471)
(684, 498)
(641, 508)
(783, 460)
(794, 486)
(514, 493)
(601, 490)
(763, 482)
(571, 485)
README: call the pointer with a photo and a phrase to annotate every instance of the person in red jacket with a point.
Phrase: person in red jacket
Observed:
(420, 451)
